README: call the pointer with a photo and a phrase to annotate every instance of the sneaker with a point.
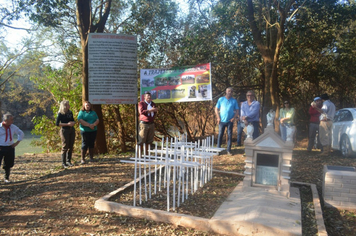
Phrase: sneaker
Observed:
(64, 165)
(7, 181)
(82, 162)
(69, 164)
(91, 160)
(229, 153)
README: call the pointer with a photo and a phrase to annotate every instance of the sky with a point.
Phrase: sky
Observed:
(13, 37)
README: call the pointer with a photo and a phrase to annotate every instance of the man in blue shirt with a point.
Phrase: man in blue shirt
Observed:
(226, 110)
(250, 113)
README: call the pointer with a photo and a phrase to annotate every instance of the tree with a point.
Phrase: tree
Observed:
(90, 22)
(267, 21)
(14, 60)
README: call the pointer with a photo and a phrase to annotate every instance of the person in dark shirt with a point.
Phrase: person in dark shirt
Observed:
(147, 113)
(65, 120)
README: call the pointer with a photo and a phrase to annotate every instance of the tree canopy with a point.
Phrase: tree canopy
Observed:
(284, 50)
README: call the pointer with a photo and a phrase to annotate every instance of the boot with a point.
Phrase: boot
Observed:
(326, 151)
(69, 158)
(91, 154)
(64, 160)
(83, 152)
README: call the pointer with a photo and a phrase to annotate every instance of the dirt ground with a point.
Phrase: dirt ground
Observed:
(44, 199)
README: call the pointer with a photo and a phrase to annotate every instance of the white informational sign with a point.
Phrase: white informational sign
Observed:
(112, 68)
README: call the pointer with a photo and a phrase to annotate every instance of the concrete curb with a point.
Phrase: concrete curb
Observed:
(317, 208)
(198, 223)
(220, 226)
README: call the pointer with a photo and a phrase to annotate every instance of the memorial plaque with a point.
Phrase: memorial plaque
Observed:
(267, 168)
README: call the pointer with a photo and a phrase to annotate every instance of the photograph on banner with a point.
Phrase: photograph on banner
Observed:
(177, 84)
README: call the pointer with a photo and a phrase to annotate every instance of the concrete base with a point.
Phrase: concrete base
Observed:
(258, 211)
(247, 211)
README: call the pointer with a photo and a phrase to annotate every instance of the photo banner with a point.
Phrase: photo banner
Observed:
(112, 68)
(178, 84)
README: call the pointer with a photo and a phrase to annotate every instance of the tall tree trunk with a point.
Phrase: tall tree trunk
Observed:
(100, 142)
(120, 125)
(270, 48)
(85, 26)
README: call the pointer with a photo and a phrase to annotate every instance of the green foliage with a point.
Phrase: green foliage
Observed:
(60, 84)
(318, 56)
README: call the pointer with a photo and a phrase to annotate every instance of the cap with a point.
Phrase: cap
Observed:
(317, 98)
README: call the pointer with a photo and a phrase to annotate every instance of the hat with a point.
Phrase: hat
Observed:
(324, 96)
(316, 99)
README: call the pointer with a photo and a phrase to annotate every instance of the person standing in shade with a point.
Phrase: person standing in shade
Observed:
(286, 119)
(88, 122)
(250, 113)
(7, 144)
(326, 121)
(314, 122)
(65, 120)
(226, 111)
(240, 125)
(147, 114)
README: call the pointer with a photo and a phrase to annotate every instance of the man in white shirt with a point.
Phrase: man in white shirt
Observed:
(326, 122)
(7, 144)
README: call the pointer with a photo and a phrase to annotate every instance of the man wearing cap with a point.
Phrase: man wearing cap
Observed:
(314, 122)
(7, 144)
(147, 113)
(226, 111)
(326, 122)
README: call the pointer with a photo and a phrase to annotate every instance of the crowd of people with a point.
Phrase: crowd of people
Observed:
(247, 112)
(88, 121)
(227, 111)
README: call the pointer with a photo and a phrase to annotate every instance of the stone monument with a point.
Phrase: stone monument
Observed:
(268, 159)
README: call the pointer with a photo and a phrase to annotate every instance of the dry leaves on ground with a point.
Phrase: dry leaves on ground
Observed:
(45, 199)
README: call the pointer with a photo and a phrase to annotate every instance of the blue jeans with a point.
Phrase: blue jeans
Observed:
(222, 126)
(256, 129)
(283, 129)
(239, 133)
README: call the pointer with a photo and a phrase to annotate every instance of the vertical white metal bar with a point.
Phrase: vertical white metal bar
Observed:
(145, 170)
(168, 182)
(149, 171)
(135, 177)
(156, 160)
(139, 165)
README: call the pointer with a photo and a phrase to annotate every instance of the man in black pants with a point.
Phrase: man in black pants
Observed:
(7, 144)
